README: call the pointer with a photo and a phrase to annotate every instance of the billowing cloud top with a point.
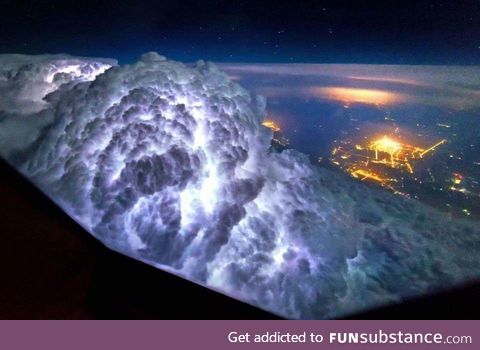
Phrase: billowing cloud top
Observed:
(169, 164)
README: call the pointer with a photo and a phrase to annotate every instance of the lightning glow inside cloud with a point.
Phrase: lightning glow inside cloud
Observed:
(169, 164)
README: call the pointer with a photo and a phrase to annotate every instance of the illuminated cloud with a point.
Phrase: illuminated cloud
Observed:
(26, 80)
(170, 164)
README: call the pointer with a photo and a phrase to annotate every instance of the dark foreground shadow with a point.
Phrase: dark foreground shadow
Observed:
(50, 268)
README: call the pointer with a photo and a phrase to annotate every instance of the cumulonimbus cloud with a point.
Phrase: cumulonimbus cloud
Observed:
(169, 163)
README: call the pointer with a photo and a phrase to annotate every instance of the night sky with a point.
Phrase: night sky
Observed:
(403, 32)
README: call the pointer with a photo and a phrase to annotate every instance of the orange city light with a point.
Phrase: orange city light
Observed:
(374, 160)
(272, 125)
(387, 145)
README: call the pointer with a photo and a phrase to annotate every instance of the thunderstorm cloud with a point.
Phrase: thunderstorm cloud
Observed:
(169, 163)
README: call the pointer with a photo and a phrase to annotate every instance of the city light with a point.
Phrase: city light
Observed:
(383, 160)
(278, 138)
(272, 125)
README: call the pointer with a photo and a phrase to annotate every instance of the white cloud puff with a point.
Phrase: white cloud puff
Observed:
(169, 164)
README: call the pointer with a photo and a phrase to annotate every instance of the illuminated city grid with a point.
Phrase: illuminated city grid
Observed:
(374, 160)
(395, 164)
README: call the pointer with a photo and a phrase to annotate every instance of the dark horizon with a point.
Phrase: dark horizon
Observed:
(373, 32)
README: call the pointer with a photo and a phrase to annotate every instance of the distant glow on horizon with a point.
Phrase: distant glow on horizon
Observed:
(355, 95)
(388, 80)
